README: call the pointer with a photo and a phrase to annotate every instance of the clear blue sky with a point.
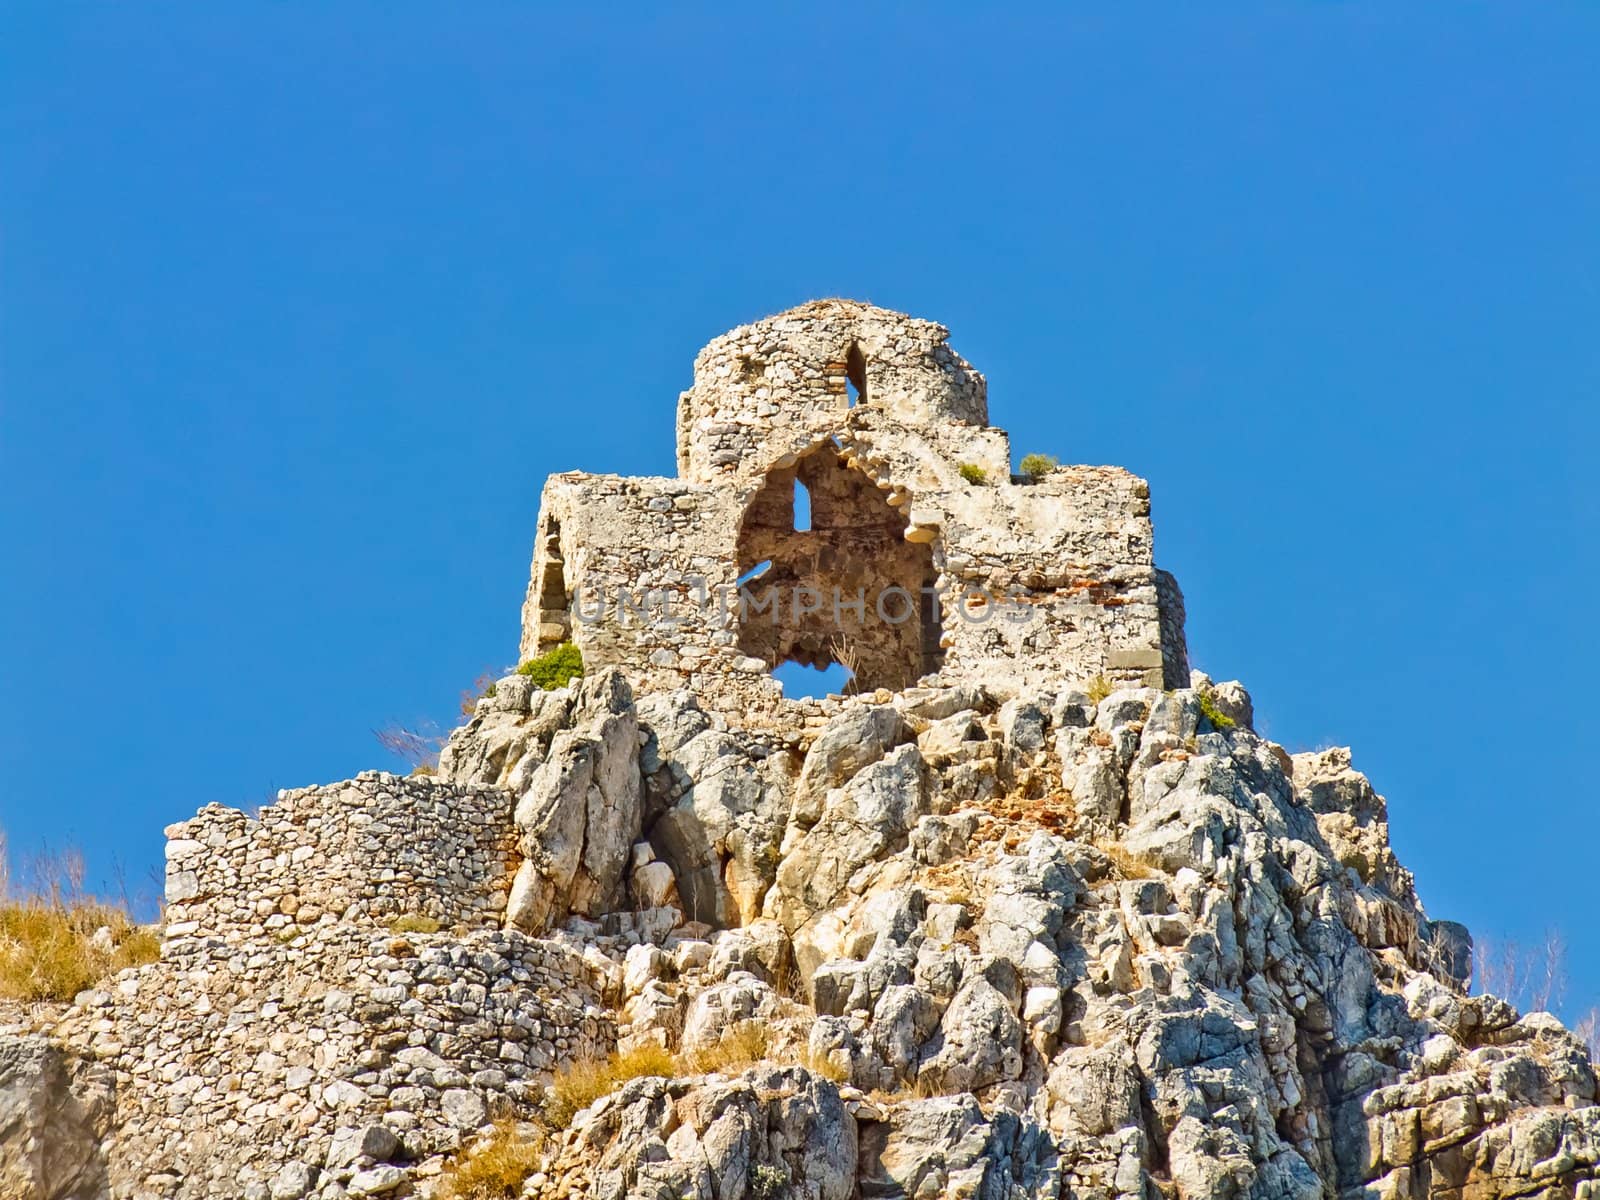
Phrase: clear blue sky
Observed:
(299, 305)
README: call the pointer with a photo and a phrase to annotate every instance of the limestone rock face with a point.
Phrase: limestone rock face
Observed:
(1227, 988)
(51, 1124)
(773, 1132)
(954, 943)
(717, 803)
(579, 811)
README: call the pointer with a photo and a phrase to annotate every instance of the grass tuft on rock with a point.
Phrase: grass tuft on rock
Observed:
(742, 1045)
(1220, 721)
(494, 1169)
(579, 1084)
(1099, 688)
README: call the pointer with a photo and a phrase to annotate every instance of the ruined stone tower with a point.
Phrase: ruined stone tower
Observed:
(923, 559)
(995, 935)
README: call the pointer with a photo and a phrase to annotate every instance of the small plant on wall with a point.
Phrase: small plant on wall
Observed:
(1035, 467)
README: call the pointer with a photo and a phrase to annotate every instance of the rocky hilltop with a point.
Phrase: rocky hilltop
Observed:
(1048, 921)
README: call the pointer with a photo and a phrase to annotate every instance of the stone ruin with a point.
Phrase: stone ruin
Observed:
(924, 557)
(1033, 914)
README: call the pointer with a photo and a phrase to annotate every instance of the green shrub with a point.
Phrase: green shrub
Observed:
(973, 473)
(555, 669)
(1219, 719)
(1035, 467)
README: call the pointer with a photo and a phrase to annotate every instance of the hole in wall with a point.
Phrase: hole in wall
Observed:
(841, 590)
(755, 572)
(802, 508)
(855, 374)
(798, 680)
(555, 621)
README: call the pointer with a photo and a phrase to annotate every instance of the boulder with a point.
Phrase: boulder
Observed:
(579, 812)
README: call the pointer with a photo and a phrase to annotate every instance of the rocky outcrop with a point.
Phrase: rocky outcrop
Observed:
(1031, 946)
(1215, 981)
(578, 811)
(717, 803)
(772, 1133)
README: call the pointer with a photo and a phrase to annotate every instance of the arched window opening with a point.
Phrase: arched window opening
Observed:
(842, 592)
(855, 373)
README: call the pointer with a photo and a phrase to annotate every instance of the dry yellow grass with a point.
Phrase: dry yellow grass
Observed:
(742, 1045)
(413, 923)
(52, 949)
(55, 938)
(1128, 864)
(495, 1169)
(747, 1044)
(581, 1083)
(817, 1064)
(920, 1088)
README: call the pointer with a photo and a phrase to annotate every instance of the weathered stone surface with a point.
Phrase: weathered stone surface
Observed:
(912, 498)
(51, 1124)
(870, 815)
(771, 1132)
(376, 1143)
(1033, 927)
(722, 802)
(580, 811)
(850, 742)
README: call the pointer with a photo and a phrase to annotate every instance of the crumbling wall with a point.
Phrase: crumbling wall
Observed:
(783, 384)
(1013, 581)
(1065, 569)
(314, 1053)
(1174, 642)
(369, 850)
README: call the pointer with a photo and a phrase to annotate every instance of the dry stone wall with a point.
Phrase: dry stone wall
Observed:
(368, 850)
(335, 1052)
